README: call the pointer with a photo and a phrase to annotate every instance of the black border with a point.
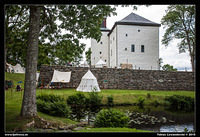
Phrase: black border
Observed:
(136, 2)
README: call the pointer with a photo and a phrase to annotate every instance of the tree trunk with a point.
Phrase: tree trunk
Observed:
(29, 107)
(193, 63)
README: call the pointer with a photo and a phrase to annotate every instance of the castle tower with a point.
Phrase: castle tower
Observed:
(100, 49)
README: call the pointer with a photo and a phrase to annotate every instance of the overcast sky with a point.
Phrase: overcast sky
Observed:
(170, 54)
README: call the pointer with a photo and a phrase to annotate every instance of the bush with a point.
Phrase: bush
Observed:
(110, 102)
(177, 102)
(155, 103)
(78, 99)
(111, 118)
(43, 106)
(94, 102)
(140, 101)
(78, 104)
(50, 98)
(148, 95)
(59, 109)
(52, 105)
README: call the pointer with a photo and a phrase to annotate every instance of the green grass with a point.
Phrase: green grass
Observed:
(13, 101)
(111, 130)
(15, 77)
(122, 96)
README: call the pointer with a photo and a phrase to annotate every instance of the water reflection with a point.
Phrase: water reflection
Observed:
(177, 128)
(175, 121)
(156, 119)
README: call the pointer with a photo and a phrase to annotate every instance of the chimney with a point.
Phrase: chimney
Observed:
(103, 25)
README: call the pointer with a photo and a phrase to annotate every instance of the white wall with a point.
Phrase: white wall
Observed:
(112, 50)
(148, 36)
(96, 48)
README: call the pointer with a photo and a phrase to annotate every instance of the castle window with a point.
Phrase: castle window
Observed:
(132, 48)
(125, 49)
(126, 35)
(138, 30)
(113, 38)
(142, 48)
(101, 42)
(100, 52)
(105, 60)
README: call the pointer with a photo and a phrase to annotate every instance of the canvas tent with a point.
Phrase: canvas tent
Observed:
(100, 64)
(88, 83)
(85, 64)
(63, 77)
(37, 77)
(15, 69)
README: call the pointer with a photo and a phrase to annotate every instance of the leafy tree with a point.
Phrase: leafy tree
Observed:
(88, 56)
(168, 67)
(160, 61)
(180, 23)
(42, 25)
(76, 21)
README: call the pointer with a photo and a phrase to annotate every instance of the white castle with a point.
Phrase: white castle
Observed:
(133, 40)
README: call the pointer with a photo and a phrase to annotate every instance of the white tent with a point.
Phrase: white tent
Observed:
(88, 83)
(18, 69)
(37, 77)
(100, 64)
(62, 77)
(85, 64)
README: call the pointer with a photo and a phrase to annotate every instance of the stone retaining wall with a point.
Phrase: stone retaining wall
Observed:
(111, 78)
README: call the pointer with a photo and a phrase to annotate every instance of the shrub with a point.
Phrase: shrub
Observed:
(140, 101)
(43, 106)
(177, 102)
(155, 103)
(78, 99)
(94, 102)
(52, 105)
(111, 118)
(78, 104)
(50, 98)
(59, 109)
(148, 95)
(110, 102)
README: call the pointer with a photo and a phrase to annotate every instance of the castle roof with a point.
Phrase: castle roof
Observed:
(134, 19)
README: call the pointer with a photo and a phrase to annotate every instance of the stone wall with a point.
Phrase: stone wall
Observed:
(111, 78)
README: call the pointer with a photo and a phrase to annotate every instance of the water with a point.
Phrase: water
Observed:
(181, 121)
(177, 128)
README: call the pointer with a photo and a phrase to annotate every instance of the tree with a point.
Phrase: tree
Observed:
(168, 67)
(78, 21)
(29, 108)
(88, 56)
(160, 61)
(180, 23)
(61, 27)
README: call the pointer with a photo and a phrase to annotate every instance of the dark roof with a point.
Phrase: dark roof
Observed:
(134, 19)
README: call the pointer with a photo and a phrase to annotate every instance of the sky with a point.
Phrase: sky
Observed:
(169, 54)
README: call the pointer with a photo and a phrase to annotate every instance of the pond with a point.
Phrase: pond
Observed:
(157, 119)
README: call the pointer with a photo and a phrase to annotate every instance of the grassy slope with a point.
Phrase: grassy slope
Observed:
(13, 100)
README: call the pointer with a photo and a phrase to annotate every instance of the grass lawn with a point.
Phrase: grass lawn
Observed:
(13, 101)
(121, 96)
(111, 130)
